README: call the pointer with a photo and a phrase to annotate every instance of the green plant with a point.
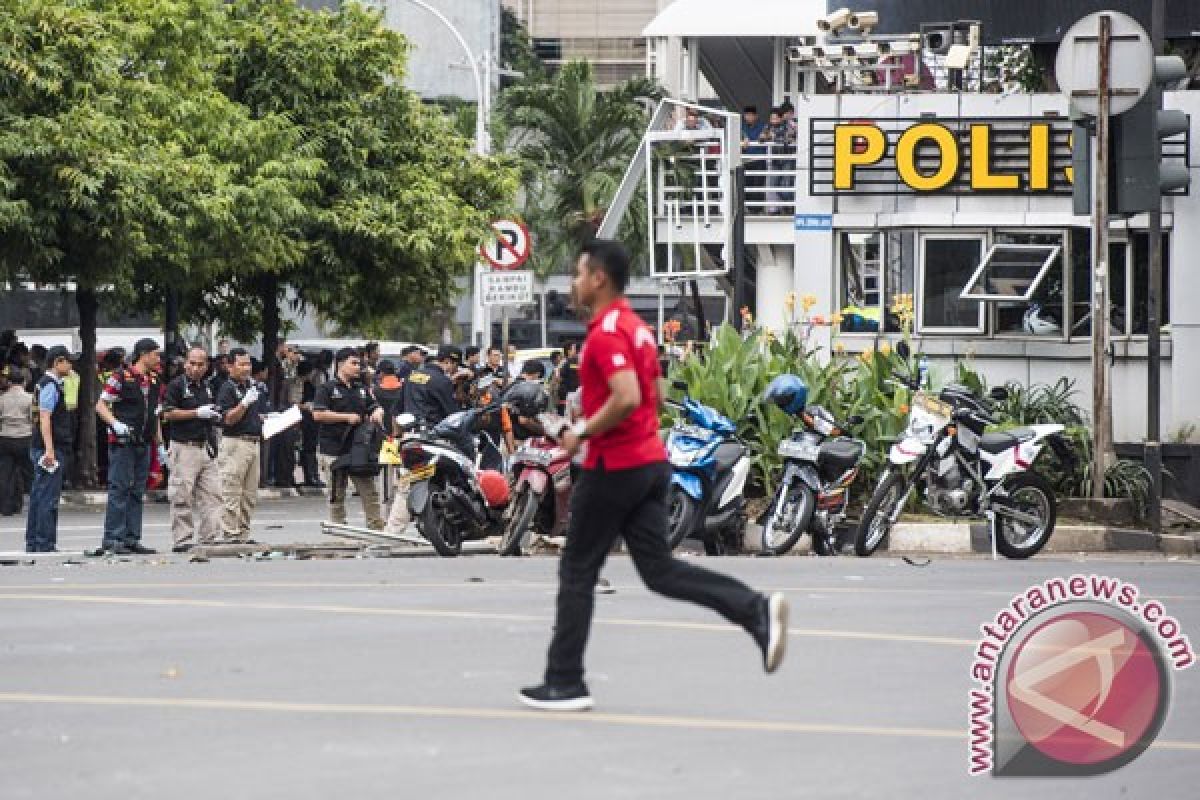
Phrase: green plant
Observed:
(1184, 433)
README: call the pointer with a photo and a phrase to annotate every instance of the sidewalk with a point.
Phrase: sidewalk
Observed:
(98, 497)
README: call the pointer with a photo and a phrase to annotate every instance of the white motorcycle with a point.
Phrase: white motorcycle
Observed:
(959, 470)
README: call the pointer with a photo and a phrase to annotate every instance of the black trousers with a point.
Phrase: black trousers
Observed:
(631, 504)
(16, 473)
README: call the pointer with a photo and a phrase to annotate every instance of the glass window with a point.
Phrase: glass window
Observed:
(1127, 283)
(875, 267)
(947, 263)
(1042, 314)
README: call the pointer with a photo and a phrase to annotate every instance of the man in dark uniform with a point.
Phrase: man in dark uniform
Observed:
(340, 406)
(623, 491)
(195, 486)
(411, 358)
(429, 391)
(243, 404)
(129, 407)
(50, 443)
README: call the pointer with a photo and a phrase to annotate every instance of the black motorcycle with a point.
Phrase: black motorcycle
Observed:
(820, 463)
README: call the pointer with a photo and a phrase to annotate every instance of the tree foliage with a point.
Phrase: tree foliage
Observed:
(575, 142)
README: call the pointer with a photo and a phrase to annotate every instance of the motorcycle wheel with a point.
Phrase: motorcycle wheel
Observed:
(437, 529)
(798, 502)
(877, 516)
(524, 509)
(681, 516)
(1032, 495)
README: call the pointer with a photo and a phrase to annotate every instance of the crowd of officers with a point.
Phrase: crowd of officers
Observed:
(203, 421)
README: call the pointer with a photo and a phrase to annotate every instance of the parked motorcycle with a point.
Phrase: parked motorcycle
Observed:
(819, 464)
(711, 465)
(959, 470)
(541, 478)
(450, 497)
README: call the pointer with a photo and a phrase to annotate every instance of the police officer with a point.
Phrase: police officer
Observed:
(129, 407)
(429, 391)
(243, 403)
(49, 445)
(195, 487)
(340, 406)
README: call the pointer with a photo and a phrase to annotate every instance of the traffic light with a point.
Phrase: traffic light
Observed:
(1139, 176)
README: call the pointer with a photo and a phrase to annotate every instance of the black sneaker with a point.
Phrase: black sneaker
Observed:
(772, 631)
(138, 549)
(181, 548)
(556, 698)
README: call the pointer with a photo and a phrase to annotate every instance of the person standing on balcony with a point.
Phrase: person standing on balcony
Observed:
(623, 490)
(753, 150)
(780, 144)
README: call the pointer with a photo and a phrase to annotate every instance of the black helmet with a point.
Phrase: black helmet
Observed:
(528, 398)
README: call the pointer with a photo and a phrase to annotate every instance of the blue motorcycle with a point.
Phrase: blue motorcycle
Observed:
(711, 465)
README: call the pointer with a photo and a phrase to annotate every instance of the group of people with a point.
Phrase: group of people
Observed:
(769, 147)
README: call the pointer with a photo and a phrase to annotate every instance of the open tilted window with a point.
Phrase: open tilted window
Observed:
(1011, 272)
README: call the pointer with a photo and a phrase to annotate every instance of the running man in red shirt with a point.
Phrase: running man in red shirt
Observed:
(623, 491)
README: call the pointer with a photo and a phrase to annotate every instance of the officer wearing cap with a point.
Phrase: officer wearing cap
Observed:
(128, 405)
(49, 446)
(243, 403)
(341, 405)
(429, 391)
(195, 486)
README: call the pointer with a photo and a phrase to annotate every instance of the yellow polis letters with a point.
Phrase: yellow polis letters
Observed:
(863, 145)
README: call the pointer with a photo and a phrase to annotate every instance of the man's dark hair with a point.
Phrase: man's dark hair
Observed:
(38, 352)
(471, 350)
(409, 350)
(346, 352)
(612, 258)
(387, 367)
(371, 347)
(535, 368)
(750, 110)
(493, 349)
(304, 369)
(237, 352)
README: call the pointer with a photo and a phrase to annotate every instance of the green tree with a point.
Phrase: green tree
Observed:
(575, 142)
(401, 202)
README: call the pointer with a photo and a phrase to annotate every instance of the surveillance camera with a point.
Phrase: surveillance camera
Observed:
(835, 21)
(864, 20)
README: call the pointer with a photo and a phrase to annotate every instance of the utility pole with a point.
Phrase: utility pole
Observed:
(1101, 396)
(1153, 451)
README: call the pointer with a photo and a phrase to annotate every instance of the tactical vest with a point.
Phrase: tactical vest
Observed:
(60, 419)
(137, 410)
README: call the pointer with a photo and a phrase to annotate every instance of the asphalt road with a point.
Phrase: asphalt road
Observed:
(396, 678)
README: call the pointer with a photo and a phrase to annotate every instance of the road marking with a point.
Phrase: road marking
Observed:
(467, 713)
(473, 615)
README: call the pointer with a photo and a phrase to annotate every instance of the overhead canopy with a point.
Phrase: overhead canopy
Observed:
(730, 18)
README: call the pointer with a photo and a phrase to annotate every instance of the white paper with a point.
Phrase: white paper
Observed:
(276, 423)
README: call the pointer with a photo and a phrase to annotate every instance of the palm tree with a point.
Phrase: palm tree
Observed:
(574, 141)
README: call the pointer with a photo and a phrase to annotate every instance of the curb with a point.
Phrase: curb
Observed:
(100, 498)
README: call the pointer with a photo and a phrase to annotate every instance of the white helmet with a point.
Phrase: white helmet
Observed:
(1037, 324)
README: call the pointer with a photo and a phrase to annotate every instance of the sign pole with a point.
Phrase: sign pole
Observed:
(1101, 397)
(1153, 452)
(504, 336)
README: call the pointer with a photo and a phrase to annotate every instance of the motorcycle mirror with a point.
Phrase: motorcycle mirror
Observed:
(405, 420)
(680, 386)
(903, 350)
(999, 394)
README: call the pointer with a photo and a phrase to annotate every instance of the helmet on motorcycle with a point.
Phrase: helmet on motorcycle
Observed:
(789, 392)
(494, 487)
(529, 398)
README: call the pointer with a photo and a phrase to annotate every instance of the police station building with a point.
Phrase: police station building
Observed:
(893, 183)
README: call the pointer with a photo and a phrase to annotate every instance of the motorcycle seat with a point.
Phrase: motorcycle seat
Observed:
(727, 455)
(840, 454)
(1000, 441)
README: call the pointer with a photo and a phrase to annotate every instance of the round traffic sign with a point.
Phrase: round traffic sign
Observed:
(1131, 63)
(509, 248)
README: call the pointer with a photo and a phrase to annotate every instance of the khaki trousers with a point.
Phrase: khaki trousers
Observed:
(337, 481)
(398, 518)
(239, 485)
(195, 494)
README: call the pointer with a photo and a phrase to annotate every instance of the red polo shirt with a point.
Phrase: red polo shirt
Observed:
(618, 340)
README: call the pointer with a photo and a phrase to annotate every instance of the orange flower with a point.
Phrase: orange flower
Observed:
(818, 319)
(903, 409)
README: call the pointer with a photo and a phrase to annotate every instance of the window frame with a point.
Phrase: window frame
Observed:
(924, 235)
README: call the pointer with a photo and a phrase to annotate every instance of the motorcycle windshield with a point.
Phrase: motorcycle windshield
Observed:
(707, 417)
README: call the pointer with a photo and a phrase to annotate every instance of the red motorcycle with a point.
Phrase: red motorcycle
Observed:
(541, 480)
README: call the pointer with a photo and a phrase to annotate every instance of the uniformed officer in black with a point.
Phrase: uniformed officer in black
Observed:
(429, 391)
(339, 407)
(243, 403)
(195, 487)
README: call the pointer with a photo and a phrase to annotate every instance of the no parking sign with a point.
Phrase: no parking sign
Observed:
(510, 247)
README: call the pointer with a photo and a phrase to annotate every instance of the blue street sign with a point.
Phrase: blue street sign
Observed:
(814, 222)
